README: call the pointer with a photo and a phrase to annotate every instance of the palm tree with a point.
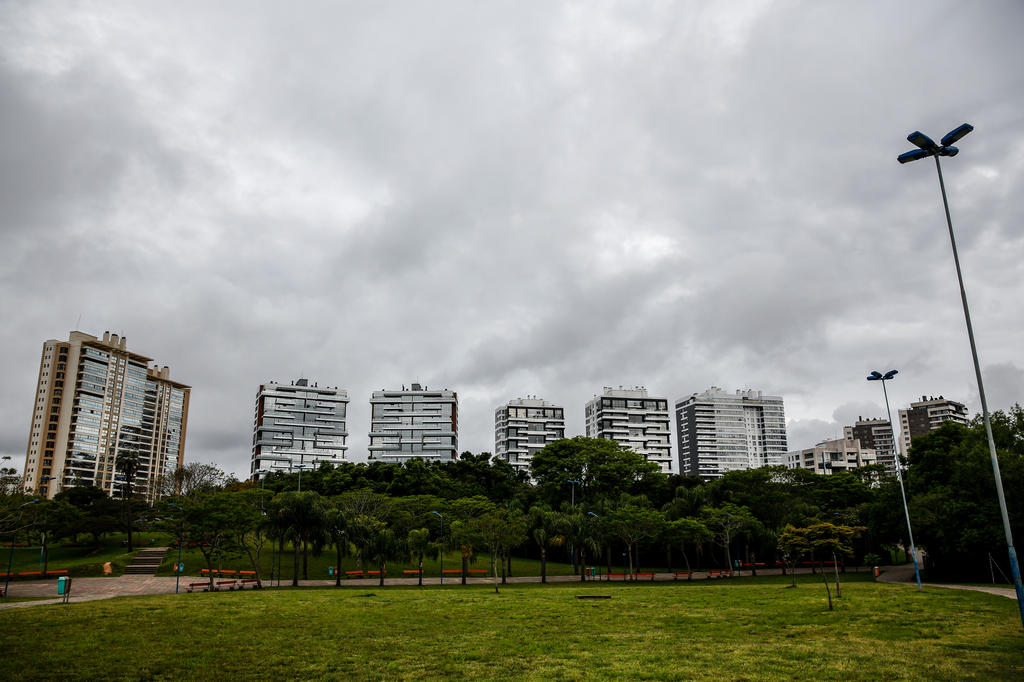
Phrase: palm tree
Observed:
(127, 464)
(304, 517)
(546, 529)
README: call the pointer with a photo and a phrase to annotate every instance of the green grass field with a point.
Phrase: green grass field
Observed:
(743, 629)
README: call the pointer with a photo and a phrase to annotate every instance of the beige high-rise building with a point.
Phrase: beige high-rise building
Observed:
(95, 400)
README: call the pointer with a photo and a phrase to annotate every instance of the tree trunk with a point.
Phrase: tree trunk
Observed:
(296, 549)
(828, 589)
(835, 564)
(465, 567)
(305, 560)
(504, 565)
(383, 568)
(337, 567)
(543, 565)
(421, 571)
(689, 571)
(583, 570)
(629, 553)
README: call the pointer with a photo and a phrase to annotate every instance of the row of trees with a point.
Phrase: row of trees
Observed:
(588, 501)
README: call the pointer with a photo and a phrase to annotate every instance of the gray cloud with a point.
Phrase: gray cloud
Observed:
(510, 199)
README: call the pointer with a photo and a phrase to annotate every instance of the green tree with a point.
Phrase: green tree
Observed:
(952, 496)
(547, 528)
(304, 516)
(683, 532)
(604, 469)
(419, 544)
(725, 522)
(632, 523)
(127, 464)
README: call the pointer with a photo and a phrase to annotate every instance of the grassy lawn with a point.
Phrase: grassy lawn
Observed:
(744, 629)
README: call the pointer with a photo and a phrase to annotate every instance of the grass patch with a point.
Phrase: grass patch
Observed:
(754, 629)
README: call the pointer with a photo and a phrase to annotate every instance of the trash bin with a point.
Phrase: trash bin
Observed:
(330, 570)
(63, 585)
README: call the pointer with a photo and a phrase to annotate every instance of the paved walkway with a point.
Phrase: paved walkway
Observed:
(904, 573)
(90, 589)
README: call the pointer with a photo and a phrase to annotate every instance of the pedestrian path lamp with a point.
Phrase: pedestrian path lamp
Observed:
(925, 148)
(878, 376)
(442, 544)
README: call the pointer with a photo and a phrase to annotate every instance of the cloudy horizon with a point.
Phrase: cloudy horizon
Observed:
(512, 199)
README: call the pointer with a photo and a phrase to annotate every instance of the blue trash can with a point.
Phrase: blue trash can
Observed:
(63, 585)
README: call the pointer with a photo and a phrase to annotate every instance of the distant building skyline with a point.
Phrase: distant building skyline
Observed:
(414, 423)
(718, 432)
(875, 434)
(832, 456)
(96, 401)
(634, 419)
(523, 427)
(926, 415)
(297, 425)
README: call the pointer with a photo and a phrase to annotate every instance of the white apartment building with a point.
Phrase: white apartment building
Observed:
(297, 425)
(96, 401)
(719, 432)
(414, 423)
(631, 417)
(926, 415)
(832, 456)
(524, 426)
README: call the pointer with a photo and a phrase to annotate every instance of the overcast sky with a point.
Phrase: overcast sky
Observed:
(510, 199)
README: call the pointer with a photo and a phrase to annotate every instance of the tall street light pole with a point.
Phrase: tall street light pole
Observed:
(878, 376)
(572, 547)
(442, 544)
(926, 148)
(181, 533)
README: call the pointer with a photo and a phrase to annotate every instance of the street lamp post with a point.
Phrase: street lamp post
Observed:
(572, 547)
(181, 532)
(926, 148)
(442, 544)
(878, 376)
(10, 557)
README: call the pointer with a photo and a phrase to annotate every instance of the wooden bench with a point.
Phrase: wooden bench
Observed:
(477, 571)
(30, 573)
(718, 574)
(230, 584)
(249, 581)
(195, 586)
(376, 574)
(412, 572)
(646, 574)
(676, 574)
(353, 574)
(62, 571)
(610, 576)
(241, 573)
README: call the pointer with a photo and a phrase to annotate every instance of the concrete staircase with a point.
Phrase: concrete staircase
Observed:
(146, 561)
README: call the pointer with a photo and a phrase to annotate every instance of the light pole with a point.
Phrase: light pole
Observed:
(926, 147)
(572, 547)
(878, 376)
(590, 513)
(10, 557)
(46, 493)
(181, 533)
(442, 544)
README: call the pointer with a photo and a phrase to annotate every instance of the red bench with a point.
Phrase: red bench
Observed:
(249, 581)
(353, 574)
(646, 574)
(676, 574)
(624, 576)
(412, 572)
(195, 586)
(718, 574)
(230, 584)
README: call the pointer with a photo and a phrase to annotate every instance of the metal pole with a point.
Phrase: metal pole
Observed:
(1014, 567)
(442, 544)
(10, 560)
(903, 493)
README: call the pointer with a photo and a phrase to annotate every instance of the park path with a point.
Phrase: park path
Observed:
(91, 589)
(904, 573)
